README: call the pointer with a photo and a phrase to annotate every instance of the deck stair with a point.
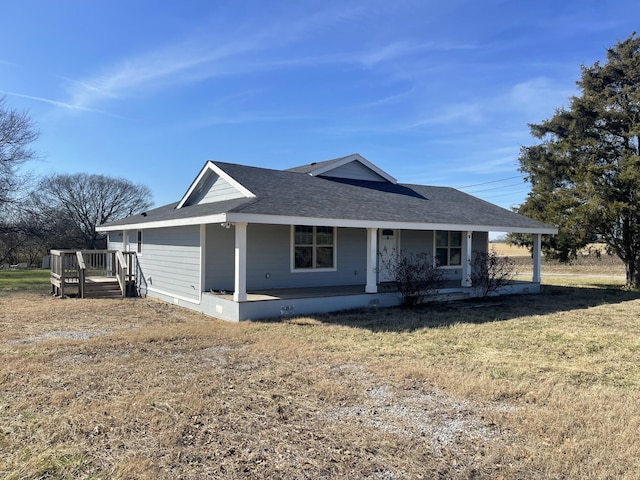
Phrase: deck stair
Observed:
(102, 288)
(94, 273)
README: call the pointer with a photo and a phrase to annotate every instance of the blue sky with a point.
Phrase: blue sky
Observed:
(433, 92)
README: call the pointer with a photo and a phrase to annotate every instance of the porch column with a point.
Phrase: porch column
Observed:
(372, 260)
(537, 257)
(125, 240)
(203, 258)
(240, 281)
(467, 243)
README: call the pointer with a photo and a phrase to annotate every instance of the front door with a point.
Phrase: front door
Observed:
(387, 254)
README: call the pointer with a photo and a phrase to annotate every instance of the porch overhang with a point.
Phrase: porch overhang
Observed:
(232, 217)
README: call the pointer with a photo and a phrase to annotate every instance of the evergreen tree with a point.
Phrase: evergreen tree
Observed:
(585, 173)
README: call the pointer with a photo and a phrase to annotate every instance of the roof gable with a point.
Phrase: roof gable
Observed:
(213, 185)
(353, 167)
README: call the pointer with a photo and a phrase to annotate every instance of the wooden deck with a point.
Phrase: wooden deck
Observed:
(93, 273)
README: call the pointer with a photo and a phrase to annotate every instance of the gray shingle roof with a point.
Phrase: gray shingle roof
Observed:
(310, 167)
(294, 193)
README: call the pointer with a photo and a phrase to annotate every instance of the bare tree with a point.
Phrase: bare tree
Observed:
(17, 133)
(82, 202)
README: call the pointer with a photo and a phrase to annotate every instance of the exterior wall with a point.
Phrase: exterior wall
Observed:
(480, 242)
(219, 258)
(269, 259)
(114, 241)
(170, 261)
(269, 253)
(416, 241)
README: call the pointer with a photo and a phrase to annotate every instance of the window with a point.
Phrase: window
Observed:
(139, 245)
(448, 248)
(313, 247)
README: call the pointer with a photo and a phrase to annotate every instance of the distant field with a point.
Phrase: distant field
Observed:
(531, 387)
(508, 250)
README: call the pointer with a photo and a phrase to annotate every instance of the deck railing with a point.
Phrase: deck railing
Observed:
(76, 267)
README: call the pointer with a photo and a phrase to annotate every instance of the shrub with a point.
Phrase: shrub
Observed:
(414, 274)
(490, 272)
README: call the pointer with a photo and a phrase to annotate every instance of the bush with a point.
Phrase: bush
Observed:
(415, 275)
(490, 272)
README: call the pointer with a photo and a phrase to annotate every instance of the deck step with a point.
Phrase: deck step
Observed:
(103, 289)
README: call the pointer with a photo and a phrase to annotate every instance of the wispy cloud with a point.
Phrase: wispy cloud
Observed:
(248, 48)
(58, 103)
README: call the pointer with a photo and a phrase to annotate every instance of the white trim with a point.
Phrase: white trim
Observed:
(181, 222)
(292, 243)
(351, 158)
(467, 253)
(170, 294)
(203, 257)
(240, 263)
(327, 222)
(210, 166)
(372, 261)
(125, 241)
(537, 258)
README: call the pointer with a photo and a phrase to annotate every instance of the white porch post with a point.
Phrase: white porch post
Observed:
(240, 281)
(372, 260)
(125, 240)
(537, 257)
(467, 244)
(203, 258)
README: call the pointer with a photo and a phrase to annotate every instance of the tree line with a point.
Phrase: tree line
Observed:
(56, 211)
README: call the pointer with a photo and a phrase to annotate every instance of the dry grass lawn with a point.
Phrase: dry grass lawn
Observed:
(525, 387)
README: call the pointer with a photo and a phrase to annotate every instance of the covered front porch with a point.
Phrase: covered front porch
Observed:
(375, 284)
(287, 302)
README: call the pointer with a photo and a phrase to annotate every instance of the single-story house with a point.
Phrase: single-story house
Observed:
(247, 243)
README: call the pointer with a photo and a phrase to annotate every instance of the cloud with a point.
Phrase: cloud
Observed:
(58, 103)
(537, 97)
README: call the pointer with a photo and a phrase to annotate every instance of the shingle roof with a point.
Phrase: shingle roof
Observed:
(293, 193)
(310, 167)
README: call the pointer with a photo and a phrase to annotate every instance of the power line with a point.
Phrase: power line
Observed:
(496, 188)
(492, 181)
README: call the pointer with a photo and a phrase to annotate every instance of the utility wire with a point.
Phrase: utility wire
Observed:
(495, 188)
(492, 181)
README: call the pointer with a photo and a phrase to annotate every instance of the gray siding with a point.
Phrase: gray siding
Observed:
(220, 251)
(269, 259)
(416, 241)
(114, 241)
(170, 260)
(269, 255)
(213, 188)
(354, 170)
(480, 242)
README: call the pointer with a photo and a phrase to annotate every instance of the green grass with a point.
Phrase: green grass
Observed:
(15, 280)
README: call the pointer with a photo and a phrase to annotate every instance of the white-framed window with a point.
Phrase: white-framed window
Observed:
(313, 248)
(448, 248)
(139, 242)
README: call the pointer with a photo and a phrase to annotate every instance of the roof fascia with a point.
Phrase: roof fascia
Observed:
(180, 222)
(331, 222)
(349, 159)
(210, 166)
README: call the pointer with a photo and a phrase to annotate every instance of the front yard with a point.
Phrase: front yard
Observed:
(521, 387)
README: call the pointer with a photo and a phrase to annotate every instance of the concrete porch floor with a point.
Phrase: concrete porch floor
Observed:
(447, 287)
